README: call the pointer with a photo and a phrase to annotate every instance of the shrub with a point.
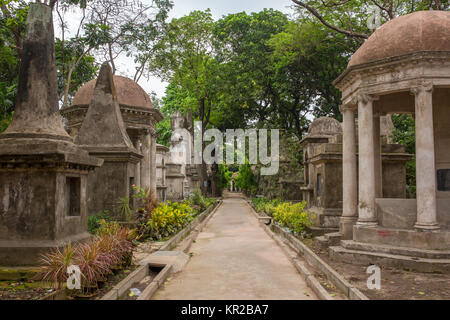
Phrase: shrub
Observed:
(125, 211)
(147, 200)
(93, 263)
(197, 199)
(265, 205)
(94, 221)
(167, 219)
(111, 246)
(198, 202)
(55, 264)
(293, 216)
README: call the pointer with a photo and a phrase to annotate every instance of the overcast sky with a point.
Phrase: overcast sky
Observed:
(218, 8)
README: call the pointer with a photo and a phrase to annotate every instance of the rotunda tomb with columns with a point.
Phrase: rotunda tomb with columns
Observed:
(403, 67)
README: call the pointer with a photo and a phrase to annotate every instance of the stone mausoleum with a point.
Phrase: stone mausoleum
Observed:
(322, 158)
(404, 67)
(129, 149)
(182, 176)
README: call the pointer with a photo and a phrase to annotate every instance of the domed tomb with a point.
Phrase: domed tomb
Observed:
(403, 67)
(138, 114)
(324, 126)
(128, 92)
(422, 31)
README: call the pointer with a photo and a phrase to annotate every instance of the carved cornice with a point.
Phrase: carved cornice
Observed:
(393, 65)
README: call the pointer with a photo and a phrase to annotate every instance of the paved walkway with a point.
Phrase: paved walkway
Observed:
(233, 258)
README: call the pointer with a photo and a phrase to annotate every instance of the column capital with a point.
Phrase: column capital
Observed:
(423, 86)
(365, 97)
(348, 106)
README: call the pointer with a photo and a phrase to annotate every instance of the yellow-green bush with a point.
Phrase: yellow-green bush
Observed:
(168, 218)
(265, 205)
(293, 216)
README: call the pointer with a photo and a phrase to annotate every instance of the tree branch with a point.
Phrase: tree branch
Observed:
(324, 22)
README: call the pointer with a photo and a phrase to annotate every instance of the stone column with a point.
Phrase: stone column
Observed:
(377, 155)
(367, 191)
(145, 162)
(349, 175)
(153, 162)
(137, 145)
(425, 162)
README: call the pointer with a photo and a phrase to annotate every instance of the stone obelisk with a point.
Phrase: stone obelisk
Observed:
(103, 135)
(43, 174)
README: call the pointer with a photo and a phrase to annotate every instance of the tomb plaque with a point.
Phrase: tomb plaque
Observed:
(443, 179)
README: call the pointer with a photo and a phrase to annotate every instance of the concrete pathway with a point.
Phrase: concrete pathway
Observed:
(233, 258)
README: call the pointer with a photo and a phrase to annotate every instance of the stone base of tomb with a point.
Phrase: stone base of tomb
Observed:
(328, 239)
(115, 177)
(424, 251)
(29, 252)
(42, 197)
(326, 220)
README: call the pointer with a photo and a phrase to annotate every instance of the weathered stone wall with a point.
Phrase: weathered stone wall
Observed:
(106, 186)
(26, 211)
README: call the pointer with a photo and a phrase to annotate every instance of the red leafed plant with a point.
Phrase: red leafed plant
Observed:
(93, 263)
(110, 248)
(55, 264)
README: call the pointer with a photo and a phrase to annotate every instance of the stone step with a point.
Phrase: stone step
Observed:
(320, 231)
(320, 242)
(333, 238)
(341, 254)
(411, 252)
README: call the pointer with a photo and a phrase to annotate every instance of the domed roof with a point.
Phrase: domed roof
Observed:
(416, 32)
(128, 93)
(324, 126)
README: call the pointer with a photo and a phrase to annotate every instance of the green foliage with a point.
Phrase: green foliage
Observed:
(146, 200)
(351, 17)
(404, 133)
(199, 202)
(109, 248)
(4, 123)
(125, 209)
(167, 219)
(164, 132)
(246, 179)
(293, 217)
(86, 69)
(247, 80)
(12, 26)
(265, 205)
(286, 214)
(94, 221)
(307, 58)
(223, 177)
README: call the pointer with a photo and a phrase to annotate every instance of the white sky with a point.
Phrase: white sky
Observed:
(125, 66)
